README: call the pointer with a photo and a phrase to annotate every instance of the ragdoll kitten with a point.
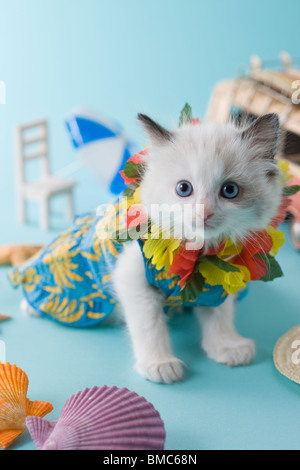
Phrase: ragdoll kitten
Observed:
(229, 169)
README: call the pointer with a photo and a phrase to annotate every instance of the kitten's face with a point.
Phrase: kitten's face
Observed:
(231, 171)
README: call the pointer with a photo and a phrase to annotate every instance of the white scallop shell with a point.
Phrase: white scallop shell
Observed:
(286, 354)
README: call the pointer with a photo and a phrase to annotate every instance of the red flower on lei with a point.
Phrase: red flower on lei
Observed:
(137, 159)
(184, 262)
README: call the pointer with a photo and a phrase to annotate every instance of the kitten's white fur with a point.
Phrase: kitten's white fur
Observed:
(28, 310)
(207, 155)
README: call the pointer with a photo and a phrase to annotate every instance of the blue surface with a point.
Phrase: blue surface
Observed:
(104, 55)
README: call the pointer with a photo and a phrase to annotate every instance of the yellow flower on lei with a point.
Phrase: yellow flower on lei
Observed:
(232, 281)
(284, 168)
(161, 250)
(278, 239)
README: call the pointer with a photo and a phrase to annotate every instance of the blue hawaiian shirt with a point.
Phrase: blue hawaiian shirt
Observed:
(69, 280)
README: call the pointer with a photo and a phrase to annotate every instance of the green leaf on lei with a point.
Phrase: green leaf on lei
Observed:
(274, 270)
(220, 263)
(291, 190)
(129, 190)
(134, 170)
(185, 115)
(192, 288)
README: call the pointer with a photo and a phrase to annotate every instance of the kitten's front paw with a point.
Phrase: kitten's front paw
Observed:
(239, 353)
(167, 371)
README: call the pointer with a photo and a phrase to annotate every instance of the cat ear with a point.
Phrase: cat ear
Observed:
(157, 134)
(264, 135)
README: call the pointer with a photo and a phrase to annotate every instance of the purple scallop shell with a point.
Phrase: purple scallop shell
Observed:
(101, 418)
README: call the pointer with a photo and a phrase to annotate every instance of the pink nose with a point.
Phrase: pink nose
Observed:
(207, 215)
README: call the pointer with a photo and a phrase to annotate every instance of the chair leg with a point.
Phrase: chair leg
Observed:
(44, 214)
(70, 206)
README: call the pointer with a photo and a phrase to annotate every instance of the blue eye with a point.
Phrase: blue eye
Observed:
(184, 188)
(230, 190)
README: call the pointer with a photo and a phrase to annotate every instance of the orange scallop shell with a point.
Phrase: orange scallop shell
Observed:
(14, 404)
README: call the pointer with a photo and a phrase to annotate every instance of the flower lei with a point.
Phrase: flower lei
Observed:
(229, 265)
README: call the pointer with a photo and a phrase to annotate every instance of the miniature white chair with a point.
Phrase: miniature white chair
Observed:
(34, 145)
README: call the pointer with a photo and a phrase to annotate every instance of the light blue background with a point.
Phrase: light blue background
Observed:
(120, 58)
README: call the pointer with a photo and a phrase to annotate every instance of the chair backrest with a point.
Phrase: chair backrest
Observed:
(31, 143)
